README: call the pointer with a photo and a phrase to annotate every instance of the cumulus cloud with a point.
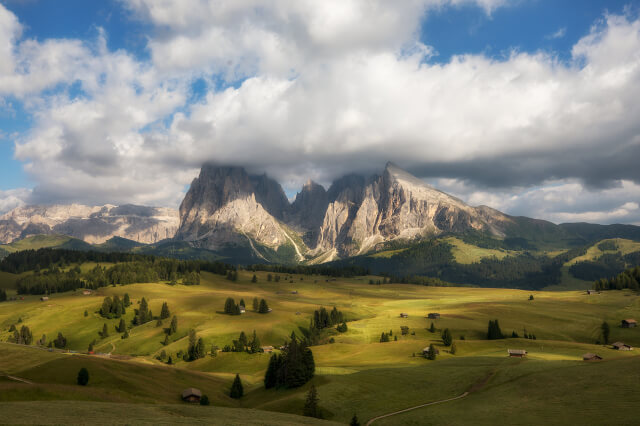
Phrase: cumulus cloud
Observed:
(318, 89)
(12, 198)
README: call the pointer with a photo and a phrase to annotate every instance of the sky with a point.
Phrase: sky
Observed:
(528, 106)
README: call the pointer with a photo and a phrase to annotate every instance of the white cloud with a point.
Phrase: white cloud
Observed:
(560, 33)
(327, 88)
(12, 198)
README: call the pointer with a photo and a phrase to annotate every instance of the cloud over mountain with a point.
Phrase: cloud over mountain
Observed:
(313, 89)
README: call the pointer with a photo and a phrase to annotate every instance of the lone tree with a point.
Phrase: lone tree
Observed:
(432, 352)
(531, 297)
(432, 328)
(447, 338)
(493, 331)
(204, 400)
(354, 421)
(605, 332)
(264, 308)
(311, 408)
(122, 327)
(236, 388)
(254, 279)
(83, 377)
(105, 331)
(256, 304)
(174, 325)
(164, 312)
(453, 349)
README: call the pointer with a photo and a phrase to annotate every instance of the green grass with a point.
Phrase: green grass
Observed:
(43, 241)
(67, 412)
(356, 374)
(467, 253)
(594, 252)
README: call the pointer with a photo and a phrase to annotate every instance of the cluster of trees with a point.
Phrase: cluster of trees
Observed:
(324, 319)
(3, 295)
(493, 331)
(196, 348)
(22, 337)
(333, 270)
(342, 328)
(230, 307)
(168, 269)
(232, 275)
(386, 337)
(143, 314)
(607, 265)
(173, 329)
(291, 369)
(114, 308)
(447, 337)
(629, 278)
(243, 344)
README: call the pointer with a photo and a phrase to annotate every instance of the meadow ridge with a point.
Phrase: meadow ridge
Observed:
(356, 373)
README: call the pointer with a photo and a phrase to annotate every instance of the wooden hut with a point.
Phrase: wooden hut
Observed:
(591, 357)
(425, 351)
(404, 315)
(191, 395)
(629, 323)
(44, 298)
(433, 315)
(517, 353)
(621, 346)
(267, 349)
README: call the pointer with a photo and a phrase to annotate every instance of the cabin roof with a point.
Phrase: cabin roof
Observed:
(517, 351)
(191, 392)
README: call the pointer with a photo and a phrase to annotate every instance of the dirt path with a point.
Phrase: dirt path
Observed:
(474, 388)
(18, 379)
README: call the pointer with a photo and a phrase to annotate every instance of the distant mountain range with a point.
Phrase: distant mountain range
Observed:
(248, 219)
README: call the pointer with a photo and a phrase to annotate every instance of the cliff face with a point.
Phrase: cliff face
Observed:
(93, 224)
(227, 206)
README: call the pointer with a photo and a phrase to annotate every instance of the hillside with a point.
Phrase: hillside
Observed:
(566, 325)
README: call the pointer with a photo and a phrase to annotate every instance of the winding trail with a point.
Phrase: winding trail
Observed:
(18, 379)
(416, 407)
(474, 388)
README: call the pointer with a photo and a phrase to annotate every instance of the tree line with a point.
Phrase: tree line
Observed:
(628, 279)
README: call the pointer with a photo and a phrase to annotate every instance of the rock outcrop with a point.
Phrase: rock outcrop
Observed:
(226, 206)
(93, 224)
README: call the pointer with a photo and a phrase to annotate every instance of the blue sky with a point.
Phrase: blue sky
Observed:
(170, 84)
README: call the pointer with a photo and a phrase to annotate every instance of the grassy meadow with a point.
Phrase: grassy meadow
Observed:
(356, 374)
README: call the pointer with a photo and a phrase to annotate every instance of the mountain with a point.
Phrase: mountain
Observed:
(226, 207)
(92, 224)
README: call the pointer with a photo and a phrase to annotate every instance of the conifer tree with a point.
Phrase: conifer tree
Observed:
(447, 337)
(83, 377)
(354, 421)
(432, 328)
(105, 331)
(271, 376)
(230, 306)
(264, 308)
(164, 312)
(453, 349)
(254, 279)
(126, 334)
(254, 345)
(173, 328)
(166, 340)
(256, 304)
(604, 327)
(122, 326)
(237, 390)
(311, 408)
(126, 301)
(432, 352)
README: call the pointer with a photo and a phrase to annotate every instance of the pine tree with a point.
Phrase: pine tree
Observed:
(605, 332)
(83, 377)
(256, 304)
(254, 345)
(271, 376)
(60, 342)
(164, 312)
(432, 352)
(173, 328)
(86, 313)
(453, 349)
(254, 279)
(230, 306)
(311, 408)
(269, 277)
(126, 301)
(264, 308)
(432, 328)
(447, 338)
(204, 400)
(237, 390)
(90, 348)
(166, 340)
(126, 334)
(122, 326)
(105, 331)
(354, 421)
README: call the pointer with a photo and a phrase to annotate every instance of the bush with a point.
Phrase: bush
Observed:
(204, 400)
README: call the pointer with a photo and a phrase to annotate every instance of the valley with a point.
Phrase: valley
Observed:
(354, 374)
